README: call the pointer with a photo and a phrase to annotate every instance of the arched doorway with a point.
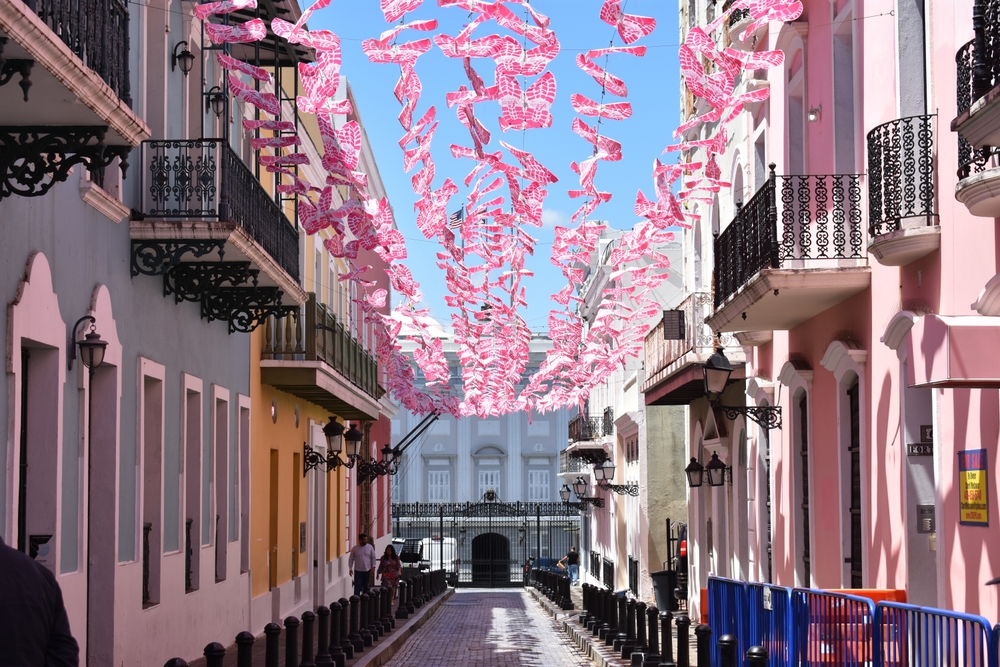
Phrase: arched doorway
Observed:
(491, 562)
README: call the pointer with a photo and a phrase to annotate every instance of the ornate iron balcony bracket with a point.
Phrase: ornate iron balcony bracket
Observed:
(155, 258)
(630, 489)
(596, 502)
(193, 281)
(767, 416)
(245, 308)
(8, 68)
(33, 159)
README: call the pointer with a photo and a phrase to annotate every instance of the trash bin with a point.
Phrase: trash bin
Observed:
(664, 583)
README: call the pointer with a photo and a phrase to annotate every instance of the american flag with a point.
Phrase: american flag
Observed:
(456, 219)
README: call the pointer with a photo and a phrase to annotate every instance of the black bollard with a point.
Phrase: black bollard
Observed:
(272, 637)
(291, 642)
(757, 656)
(215, 653)
(345, 631)
(363, 631)
(683, 624)
(622, 635)
(410, 590)
(703, 635)
(374, 627)
(176, 662)
(401, 607)
(628, 645)
(244, 649)
(727, 651)
(336, 639)
(356, 641)
(666, 638)
(640, 626)
(651, 658)
(388, 622)
(308, 648)
(323, 637)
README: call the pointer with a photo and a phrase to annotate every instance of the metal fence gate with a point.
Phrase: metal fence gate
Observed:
(487, 544)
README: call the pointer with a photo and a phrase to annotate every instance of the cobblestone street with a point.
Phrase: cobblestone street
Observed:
(490, 628)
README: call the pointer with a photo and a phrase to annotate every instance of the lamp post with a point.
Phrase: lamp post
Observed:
(716, 371)
(580, 489)
(92, 349)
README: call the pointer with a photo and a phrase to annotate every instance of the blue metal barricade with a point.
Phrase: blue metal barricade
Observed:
(912, 636)
(833, 628)
(769, 617)
(727, 613)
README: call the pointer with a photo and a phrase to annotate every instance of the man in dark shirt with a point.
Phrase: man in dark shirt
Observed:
(34, 622)
(572, 562)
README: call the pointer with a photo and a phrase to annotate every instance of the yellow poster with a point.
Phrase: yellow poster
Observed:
(972, 488)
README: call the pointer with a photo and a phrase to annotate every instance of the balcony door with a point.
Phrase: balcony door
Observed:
(854, 510)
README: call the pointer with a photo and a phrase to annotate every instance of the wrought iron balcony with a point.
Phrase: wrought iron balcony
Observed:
(204, 179)
(96, 31)
(902, 195)
(582, 428)
(571, 464)
(978, 96)
(316, 357)
(792, 223)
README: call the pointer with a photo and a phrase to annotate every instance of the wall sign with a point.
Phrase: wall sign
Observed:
(927, 433)
(920, 450)
(972, 488)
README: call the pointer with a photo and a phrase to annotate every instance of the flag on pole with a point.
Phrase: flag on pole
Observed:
(456, 219)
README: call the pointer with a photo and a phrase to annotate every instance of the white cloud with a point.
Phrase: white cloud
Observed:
(552, 217)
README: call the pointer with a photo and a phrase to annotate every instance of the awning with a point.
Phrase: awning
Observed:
(955, 352)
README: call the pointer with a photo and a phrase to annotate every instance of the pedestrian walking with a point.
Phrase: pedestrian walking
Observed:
(572, 562)
(32, 615)
(390, 568)
(362, 559)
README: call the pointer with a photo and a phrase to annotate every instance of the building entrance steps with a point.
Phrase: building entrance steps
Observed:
(490, 628)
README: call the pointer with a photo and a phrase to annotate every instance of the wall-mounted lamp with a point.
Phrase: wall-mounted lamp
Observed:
(335, 439)
(716, 371)
(605, 472)
(814, 114)
(91, 347)
(580, 489)
(185, 58)
(215, 100)
(718, 472)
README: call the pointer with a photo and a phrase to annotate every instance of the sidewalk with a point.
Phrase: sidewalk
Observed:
(380, 652)
(601, 655)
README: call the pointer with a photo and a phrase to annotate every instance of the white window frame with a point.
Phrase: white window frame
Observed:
(539, 489)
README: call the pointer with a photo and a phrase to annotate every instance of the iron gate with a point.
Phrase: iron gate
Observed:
(487, 544)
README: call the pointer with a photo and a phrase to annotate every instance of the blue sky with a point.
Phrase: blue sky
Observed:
(653, 83)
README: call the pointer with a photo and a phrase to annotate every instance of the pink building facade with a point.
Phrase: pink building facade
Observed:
(858, 275)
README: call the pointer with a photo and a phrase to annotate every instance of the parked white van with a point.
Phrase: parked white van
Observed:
(438, 554)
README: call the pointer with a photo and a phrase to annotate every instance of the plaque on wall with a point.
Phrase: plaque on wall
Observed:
(927, 433)
(925, 519)
(920, 449)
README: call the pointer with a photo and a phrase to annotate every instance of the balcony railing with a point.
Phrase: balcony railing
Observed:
(583, 428)
(790, 222)
(570, 464)
(322, 338)
(660, 353)
(205, 179)
(901, 174)
(97, 32)
(970, 160)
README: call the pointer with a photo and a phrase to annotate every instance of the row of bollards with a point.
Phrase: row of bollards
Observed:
(644, 634)
(555, 586)
(334, 634)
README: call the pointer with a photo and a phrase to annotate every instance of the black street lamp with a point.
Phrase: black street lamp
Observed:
(335, 439)
(605, 472)
(215, 100)
(718, 473)
(695, 473)
(580, 489)
(717, 370)
(185, 58)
